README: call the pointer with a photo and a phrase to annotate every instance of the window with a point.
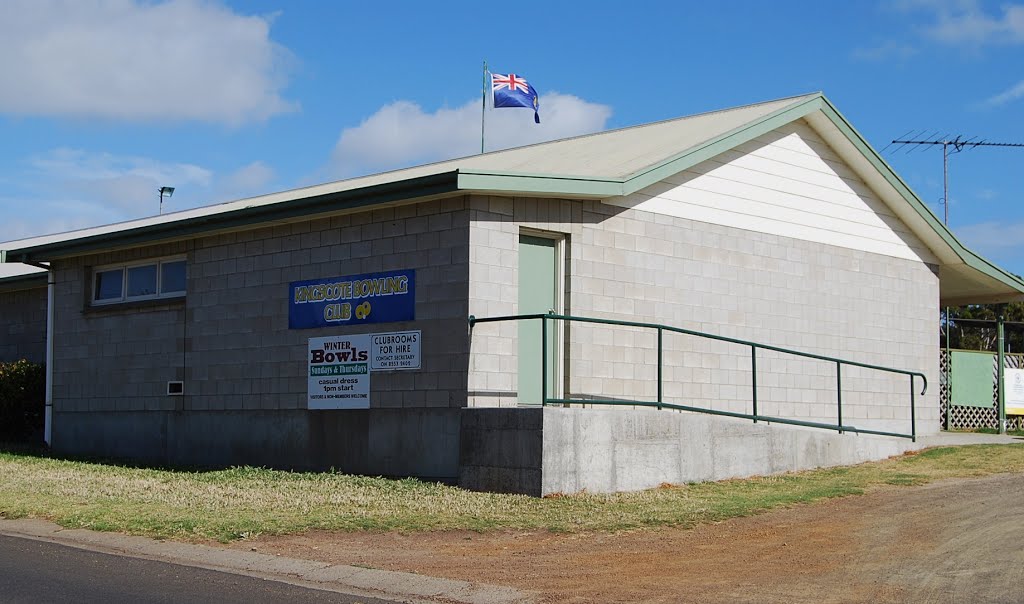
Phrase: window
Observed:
(108, 285)
(145, 281)
(142, 281)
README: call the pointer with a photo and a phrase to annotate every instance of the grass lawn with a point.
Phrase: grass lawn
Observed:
(242, 502)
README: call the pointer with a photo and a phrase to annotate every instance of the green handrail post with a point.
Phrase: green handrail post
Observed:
(949, 378)
(913, 423)
(1001, 362)
(753, 376)
(839, 394)
(660, 330)
(543, 360)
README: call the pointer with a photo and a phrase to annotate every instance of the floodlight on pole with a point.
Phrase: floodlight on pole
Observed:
(168, 191)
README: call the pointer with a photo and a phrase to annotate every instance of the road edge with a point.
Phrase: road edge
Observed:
(353, 580)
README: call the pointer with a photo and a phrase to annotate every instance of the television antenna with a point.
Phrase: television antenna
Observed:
(956, 144)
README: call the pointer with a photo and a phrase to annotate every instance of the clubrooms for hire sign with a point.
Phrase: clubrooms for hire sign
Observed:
(340, 366)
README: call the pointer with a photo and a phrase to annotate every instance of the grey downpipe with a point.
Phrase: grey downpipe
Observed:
(48, 412)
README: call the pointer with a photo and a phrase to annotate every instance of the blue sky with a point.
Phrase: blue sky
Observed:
(104, 101)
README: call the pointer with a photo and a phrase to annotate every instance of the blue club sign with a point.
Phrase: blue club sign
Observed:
(353, 300)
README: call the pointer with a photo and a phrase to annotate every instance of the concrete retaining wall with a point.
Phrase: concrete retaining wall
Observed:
(608, 450)
(501, 450)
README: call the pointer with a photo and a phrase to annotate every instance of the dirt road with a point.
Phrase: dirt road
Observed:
(954, 541)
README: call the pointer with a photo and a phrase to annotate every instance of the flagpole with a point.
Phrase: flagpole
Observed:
(483, 106)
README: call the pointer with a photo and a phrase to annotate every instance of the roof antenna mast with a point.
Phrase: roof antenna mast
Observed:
(957, 144)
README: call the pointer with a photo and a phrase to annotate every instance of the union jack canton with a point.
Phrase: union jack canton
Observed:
(514, 91)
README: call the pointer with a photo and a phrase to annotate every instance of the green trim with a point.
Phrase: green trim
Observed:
(970, 258)
(425, 186)
(532, 184)
(551, 175)
(720, 144)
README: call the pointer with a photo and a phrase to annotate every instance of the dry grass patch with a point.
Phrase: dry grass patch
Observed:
(242, 502)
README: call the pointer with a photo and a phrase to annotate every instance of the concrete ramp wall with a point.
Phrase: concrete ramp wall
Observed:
(557, 450)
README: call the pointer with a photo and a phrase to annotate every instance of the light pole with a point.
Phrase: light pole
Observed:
(168, 191)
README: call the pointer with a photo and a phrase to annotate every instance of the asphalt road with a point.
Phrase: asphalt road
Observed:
(39, 571)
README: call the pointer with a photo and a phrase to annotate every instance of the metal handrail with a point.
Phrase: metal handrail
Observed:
(754, 346)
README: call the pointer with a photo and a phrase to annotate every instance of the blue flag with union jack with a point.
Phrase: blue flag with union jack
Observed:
(514, 91)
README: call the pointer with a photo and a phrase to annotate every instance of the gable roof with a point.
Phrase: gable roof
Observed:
(596, 166)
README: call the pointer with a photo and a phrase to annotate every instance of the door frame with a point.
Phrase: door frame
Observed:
(558, 362)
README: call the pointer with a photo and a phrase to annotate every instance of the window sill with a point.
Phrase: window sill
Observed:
(154, 304)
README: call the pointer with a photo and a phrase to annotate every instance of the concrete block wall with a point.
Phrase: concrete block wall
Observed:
(242, 354)
(23, 324)
(631, 265)
(230, 343)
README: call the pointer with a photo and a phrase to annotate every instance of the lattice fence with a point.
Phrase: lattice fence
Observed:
(967, 418)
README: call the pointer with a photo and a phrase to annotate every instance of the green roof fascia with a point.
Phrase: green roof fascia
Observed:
(722, 143)
(424, 186)
(538, 184)
(22, 282)
(969, 257)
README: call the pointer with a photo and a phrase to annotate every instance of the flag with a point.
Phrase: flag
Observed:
(514, 91)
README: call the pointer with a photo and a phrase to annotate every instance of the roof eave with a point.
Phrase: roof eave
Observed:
(996, 298)
(526, 184)
(434, 185)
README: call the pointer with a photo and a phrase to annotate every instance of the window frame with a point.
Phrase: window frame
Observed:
(125, 267)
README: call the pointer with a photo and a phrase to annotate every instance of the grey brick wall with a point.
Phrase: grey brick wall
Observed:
(229, 338)
(114, 358)
(23, 324)
(631, 265)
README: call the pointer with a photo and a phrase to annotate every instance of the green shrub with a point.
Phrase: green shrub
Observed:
(22, 401)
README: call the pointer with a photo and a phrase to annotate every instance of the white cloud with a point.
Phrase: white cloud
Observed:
(121, 183)
(43, 218)
(67, 189)
(250, 179)
(886, 51)
(967, 22)
(140, 61)
(402, 134)
(1011, 94)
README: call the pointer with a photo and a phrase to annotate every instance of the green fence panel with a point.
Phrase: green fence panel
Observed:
(973, 382)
